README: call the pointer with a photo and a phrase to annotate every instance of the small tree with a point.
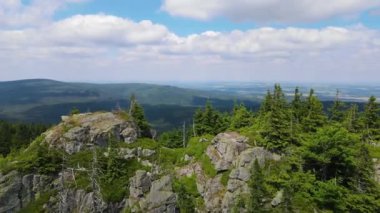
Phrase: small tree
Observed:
(137, 113)
(257, 186)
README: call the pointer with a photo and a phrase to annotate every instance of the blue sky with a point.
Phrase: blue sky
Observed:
(191, 40)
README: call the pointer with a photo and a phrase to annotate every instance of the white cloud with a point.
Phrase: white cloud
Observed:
(264, 11)
(15, 13)
(129, 50)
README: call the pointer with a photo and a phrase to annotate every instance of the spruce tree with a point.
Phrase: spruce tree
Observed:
(241, 117)
(314, 115)
(276, 130)
(371, 120)
(138, 115)
(351, 119)
(297, 106)
(210, 121)
(337, 109)
(258, 190)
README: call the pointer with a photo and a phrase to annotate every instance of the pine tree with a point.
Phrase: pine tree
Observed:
(137, 113)
(337, 109)
(314, 115)
(210, 121)
(258, 190)
(276, 129)
(371, 120)
(297, 106)
(351, 119)
(241, 117)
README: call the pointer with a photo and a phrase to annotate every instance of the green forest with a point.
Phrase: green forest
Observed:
(326, 156)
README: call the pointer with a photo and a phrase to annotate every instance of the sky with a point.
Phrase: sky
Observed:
(191, 40)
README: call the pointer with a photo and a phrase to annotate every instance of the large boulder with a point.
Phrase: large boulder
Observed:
(225, 148)
(78, 132)
(139, 184)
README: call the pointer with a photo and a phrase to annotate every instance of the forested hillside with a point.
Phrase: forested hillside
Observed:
(288, 156)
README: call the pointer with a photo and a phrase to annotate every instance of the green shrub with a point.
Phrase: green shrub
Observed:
(37, 205)
(207, 166)
(195, 148)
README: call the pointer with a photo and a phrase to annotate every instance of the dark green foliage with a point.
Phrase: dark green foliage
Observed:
(210, 121)
(371, 120)
(258, 189)
(337, 109)
(314, 116)
(276, 128)
(16, 136)
(174, 138)
(241, 117)
(137, 113)
(331, 154)
(74, 111)
(187, 194)
(352, 120)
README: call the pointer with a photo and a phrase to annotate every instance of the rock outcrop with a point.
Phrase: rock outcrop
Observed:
(224, 149)
(16, 191)
(78, 132)
(151, 196)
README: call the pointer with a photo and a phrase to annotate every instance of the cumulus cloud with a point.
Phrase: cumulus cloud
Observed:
(16, 13)
(277, 11)
(132, 50)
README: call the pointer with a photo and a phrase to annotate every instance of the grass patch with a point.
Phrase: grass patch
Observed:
(225, 177)
(189, 183)
(207, 166)
(195, 148)
(144, 143)
(169, 158)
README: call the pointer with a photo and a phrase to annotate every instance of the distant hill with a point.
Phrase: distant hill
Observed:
(41, 100)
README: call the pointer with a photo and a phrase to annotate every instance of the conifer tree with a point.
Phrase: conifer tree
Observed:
(337, 109)
(276, 130)
(137, 113)
(371, 120)
(297, 106)
(241, 117)
(210, 121)
(258, 190)
(351, 119)
(314, 115)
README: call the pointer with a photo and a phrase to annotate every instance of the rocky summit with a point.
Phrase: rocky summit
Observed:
(98, 162)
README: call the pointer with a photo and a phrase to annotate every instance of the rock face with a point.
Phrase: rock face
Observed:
(77, 132)
(225, 148)
(17, 191)
(148, 196)
(228, 151)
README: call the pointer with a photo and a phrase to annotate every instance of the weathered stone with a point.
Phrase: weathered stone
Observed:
(139, 184)
(162, 184)
(240, 173)
(10, 190)
(147, 152)
(78, 132)
(278, 198)
(248, 157)
(225, 148)
(128, 153)
(129, 135)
